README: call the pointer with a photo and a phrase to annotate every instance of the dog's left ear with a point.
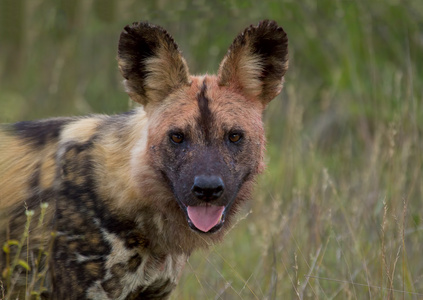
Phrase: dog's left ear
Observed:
(256, 62)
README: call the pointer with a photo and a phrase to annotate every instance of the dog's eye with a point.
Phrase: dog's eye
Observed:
(177, 137)
(235, 137)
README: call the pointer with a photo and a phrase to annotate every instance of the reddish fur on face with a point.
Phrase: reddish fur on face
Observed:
(119, 188)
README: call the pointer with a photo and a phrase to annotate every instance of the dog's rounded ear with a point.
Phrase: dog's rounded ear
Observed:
(150, 62)
(256, 62)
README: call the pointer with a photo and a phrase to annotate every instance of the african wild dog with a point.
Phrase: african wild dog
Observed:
(130, 196)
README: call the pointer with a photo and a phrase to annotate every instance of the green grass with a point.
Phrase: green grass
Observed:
(18, 266)
(338, 213)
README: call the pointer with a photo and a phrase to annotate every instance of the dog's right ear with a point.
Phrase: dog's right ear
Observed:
(150, 62)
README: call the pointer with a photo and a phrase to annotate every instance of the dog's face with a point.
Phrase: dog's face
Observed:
(205, 134)
(206, 143)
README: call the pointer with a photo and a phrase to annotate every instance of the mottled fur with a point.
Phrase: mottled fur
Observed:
(118, 188)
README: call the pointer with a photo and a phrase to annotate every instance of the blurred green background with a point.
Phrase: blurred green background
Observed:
(338, 213)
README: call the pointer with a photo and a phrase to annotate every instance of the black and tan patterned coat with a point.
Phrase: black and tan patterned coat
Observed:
(114, 205)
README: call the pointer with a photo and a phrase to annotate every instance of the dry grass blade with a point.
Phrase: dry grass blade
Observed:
(365, 285)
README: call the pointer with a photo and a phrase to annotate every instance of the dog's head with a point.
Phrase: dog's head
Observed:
(205, 139)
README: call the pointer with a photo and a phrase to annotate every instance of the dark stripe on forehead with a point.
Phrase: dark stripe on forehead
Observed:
(205, 118)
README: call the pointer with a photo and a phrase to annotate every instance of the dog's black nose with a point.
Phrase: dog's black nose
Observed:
(207, 188)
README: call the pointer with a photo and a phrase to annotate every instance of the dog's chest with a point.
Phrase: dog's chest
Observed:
(120, 272)
(131, 274)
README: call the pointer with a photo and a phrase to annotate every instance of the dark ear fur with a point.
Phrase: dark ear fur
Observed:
(150, 62)
(257, 61)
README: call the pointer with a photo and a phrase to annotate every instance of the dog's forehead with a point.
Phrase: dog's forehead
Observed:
(228, 103)
(206, 101)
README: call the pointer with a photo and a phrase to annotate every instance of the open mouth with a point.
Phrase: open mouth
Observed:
(206, 218)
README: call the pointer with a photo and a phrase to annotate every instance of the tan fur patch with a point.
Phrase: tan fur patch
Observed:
(10, 168)
(81, 130)
(117, 181)
(47, 170)
(93, 268)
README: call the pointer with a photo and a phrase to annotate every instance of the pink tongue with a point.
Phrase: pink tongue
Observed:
(205, 217)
